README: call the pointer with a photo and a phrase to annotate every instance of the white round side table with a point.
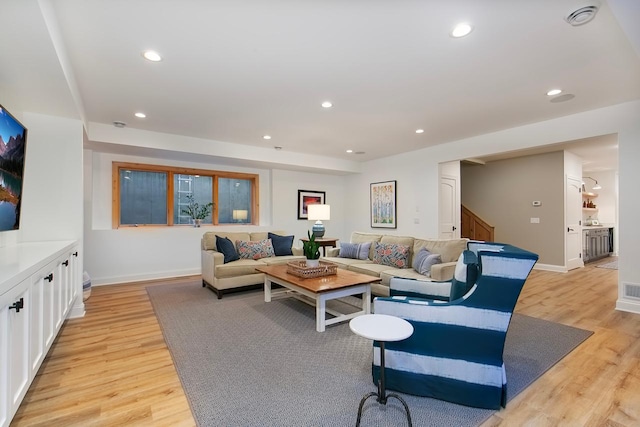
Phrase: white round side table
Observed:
(382, 328)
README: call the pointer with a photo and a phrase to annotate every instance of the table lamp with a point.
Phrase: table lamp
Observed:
(318, 213)
(240, 215)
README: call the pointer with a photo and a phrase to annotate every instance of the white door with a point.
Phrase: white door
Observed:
(449, 207)
(573, 221)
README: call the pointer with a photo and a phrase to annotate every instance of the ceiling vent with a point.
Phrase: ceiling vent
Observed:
(119, 124)
(582, 15)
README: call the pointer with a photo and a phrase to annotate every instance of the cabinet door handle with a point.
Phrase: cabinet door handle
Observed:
(66, 263)
(75, 253)
(17, 306)
(49, 278)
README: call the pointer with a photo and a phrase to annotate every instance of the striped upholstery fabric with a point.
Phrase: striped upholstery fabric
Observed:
(455, 352)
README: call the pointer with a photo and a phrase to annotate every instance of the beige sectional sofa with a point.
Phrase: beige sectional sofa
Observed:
(240, 274)
(449, 251)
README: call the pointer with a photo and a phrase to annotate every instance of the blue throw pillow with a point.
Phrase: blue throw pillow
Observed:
(354, 250)
(424, 260)
(226, 247)
(281, 244)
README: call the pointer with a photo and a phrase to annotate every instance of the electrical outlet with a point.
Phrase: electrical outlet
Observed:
(535, 220)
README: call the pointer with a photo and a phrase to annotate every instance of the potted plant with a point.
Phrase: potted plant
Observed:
(311, 250)
(197, 211)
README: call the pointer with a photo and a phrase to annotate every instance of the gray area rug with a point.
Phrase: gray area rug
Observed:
(244, 362)
(613, 265)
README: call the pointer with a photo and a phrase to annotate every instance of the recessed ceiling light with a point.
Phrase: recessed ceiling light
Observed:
(266, 137)
(553, 92)
(461, 30)
(152, 56)
(419, 130)
(327, 104)
(140, 115)
(349, 151)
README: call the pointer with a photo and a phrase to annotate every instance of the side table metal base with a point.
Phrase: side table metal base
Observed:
(382, 399)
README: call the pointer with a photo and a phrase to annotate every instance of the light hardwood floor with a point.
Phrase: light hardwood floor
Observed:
(112, 367)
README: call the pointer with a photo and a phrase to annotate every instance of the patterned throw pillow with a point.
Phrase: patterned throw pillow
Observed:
(255, 250)
(354, 250)
(391, 254)
(424, 260)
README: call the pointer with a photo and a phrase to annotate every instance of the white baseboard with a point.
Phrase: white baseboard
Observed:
(627, 305)
(114, 280)
(550, 267)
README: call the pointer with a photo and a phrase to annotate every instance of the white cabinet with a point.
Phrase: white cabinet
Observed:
(38, 286)
(14, 318)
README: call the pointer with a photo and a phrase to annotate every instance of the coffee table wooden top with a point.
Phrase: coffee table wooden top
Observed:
(343, 278)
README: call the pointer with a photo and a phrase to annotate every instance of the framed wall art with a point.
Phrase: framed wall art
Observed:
(383, 204)
(306, 198)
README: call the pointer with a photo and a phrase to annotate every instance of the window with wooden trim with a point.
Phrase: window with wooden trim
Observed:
(155, 195)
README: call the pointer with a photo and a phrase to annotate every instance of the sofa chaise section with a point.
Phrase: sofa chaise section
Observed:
(448, 249)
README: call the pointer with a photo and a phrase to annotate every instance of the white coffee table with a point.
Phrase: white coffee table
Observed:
(382, 328)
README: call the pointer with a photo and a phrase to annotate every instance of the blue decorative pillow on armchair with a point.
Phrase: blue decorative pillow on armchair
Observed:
(465, 275)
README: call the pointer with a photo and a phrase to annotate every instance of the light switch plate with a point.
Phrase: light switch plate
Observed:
(535, 220)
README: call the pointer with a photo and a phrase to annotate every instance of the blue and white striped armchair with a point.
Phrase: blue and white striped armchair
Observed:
(455, 352)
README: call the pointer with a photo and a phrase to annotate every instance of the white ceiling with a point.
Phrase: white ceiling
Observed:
(234, 71)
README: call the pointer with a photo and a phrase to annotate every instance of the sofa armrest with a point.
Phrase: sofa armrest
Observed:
(333, 252)
(443, 272)
(209, 260)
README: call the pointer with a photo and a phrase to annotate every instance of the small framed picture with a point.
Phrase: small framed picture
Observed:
(383, 204)
(306, 198)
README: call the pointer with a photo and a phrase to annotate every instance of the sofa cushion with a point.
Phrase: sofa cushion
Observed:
(449, 249)
(423, 260)
(345, 262)
(368, 268)
(225, 246)
(357, 237)
(405, 273)
(241, 267)
(255, 250)
(256, 236)
(391, 254)
(277, 260)
(281, 244)
(209, 241)
(355, 250)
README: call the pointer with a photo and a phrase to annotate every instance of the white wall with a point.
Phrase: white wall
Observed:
(417, 175)
(52, 197)
(52, 188)
(606, 202)
(285, 186)
(129, 254)
(417, 195)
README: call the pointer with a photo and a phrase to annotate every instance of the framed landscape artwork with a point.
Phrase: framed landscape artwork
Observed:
(383, 204)
(306, 198)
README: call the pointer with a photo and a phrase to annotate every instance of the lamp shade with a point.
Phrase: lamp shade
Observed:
(318, 212)
(240, 214)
